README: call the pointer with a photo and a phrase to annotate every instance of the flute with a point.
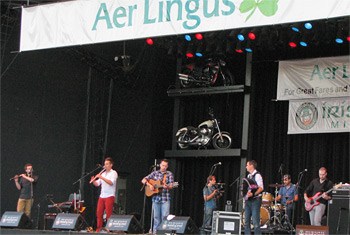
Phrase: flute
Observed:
(93, 179)
(15, 177)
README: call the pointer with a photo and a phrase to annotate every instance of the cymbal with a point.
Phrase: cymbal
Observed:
(275, 185)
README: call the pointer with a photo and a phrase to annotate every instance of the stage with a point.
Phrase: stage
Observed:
(33, 231)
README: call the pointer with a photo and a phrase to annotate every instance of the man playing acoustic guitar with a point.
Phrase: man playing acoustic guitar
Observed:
(318, 185)
(161, 201)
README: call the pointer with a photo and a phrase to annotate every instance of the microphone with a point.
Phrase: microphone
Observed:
(279, 170)
(99, 165)
(305, 170)
(155, 165)
(216, 164)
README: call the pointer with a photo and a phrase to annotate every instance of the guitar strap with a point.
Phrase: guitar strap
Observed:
(164, 178)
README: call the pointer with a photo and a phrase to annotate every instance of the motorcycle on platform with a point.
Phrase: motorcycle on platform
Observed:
(207, 132)
(214, 72)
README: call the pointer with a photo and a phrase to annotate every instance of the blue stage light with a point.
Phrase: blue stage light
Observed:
(240, 37)
(308, 25)
(339, 40)
(304, 44)
(199, 54)
(188, 37)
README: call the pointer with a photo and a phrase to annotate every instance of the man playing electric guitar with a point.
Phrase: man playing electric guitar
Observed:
(321, 184)
(160, 201)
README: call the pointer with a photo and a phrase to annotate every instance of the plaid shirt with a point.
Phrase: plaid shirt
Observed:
(169, 179)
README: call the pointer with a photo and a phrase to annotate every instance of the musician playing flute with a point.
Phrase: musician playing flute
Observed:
(321, 184)
(253, 204)
(25, 183)
(107, 179)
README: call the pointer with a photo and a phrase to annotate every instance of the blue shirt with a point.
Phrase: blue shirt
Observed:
(211, 203)
(164, 196)
(291, 192)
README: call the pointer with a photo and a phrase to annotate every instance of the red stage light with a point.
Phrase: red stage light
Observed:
(239, 51)
(348, 38)
(189, 55)
(251, 36)
(149, 41)
(292, 44)
(199, 36)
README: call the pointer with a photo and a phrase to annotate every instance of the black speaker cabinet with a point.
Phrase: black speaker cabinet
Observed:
(125, 223)
(338, 215)
(12, 219)
(69, 221)
(178, 225)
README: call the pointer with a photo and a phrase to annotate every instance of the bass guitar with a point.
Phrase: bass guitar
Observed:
(314, 200)
(158, 186)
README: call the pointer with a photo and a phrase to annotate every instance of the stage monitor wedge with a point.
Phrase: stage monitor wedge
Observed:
(179, 225)
(13, 219)
(69, 221)
(125, 223)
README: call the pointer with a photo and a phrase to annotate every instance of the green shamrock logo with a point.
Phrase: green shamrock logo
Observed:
(267, 7)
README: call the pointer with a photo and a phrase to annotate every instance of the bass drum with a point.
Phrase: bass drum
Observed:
(264, 216)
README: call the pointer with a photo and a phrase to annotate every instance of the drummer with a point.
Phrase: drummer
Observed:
(289, 194)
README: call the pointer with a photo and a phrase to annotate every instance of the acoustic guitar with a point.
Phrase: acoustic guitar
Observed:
(158, 186)
(314, 200)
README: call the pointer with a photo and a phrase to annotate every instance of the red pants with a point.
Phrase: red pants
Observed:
(104, 204)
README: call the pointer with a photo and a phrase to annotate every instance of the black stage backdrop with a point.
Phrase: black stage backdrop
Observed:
(43, 106)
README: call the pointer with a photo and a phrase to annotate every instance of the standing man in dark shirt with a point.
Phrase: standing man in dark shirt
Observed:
(26, 184)
(321, 184)
(253, 204)
(161, 201)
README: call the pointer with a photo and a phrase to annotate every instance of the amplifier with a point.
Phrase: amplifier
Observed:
(225, 222)
(341, 192)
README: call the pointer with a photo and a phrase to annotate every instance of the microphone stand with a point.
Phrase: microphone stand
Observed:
(237, 193)
(300, 176)
(153, 168)
(89, 173)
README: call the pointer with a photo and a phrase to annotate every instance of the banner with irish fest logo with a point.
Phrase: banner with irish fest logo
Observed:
(314, 78)
(319, 115)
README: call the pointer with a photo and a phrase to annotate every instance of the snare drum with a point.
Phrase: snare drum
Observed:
(267, 198)
(277, 207)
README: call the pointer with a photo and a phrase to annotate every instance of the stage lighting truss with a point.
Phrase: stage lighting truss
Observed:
(265, 38)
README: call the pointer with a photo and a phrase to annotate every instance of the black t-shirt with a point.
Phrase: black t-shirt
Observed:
(26, 187)
(315, 186)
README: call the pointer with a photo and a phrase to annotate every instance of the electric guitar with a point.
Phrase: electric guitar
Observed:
(158, 186)
(314, 200)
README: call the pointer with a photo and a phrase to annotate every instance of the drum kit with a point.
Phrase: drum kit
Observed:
(273, 214)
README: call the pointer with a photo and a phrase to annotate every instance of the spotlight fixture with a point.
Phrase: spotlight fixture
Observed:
(253, 33)
(149, 41)
(189, 51)
(239, 47)
(188, 37)
(242, 34)
(295, 27)
(248, 47)
(199, 51)
(293, 42)
(308, 25)
(199, 36)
